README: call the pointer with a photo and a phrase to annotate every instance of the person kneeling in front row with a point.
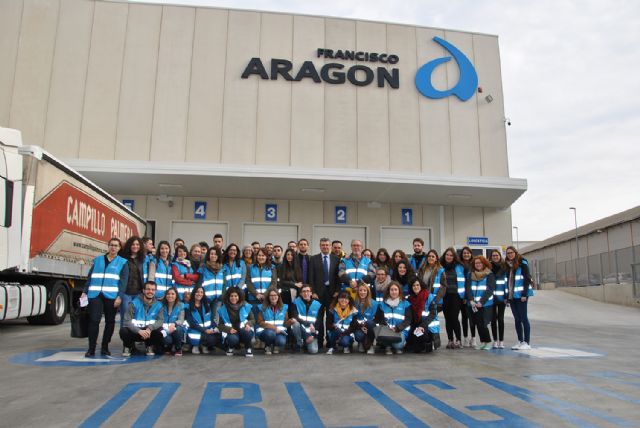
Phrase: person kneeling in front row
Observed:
(143, 322)
(306, 320)
(235, 320)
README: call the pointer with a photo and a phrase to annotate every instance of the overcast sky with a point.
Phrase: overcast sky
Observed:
(571, 83)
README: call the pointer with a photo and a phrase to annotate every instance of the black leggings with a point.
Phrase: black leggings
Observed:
(451, 308)
(497, 321)
(481, 318)
(467, 323)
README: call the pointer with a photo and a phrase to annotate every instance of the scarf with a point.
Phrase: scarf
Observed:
(417, 303)
(480, 275)
(213, 266)
(184, 262)
(449, 266)
(393, 302)
(235, 307)
(343, 313)
(382, 286)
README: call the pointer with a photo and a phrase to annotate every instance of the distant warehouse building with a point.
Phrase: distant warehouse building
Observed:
(604, 254)
(267, 126)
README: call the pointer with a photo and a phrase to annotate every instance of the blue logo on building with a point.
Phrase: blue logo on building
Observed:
(467, 83)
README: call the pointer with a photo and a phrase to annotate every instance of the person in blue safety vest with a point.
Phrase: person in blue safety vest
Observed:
(159, 269)
(418, 258)
(427, 273)
(404, 275)
(235, 270)
(143, 322)
(380, 283)
(354, 270)
(235, 320)
(183, 274)
(466, 258)
(212, 278)
(260, 276)
(173, 322)
(424, 334)
(499, 297)
(451, 276)
(106, 280)
(520, 288)
(306, 313)
(133, 251)
(341, 323)
(479, 288)
(273, 322)
(365, 319)
(395, 312)
(202, 333)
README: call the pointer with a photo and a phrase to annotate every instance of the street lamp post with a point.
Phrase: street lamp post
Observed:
(517, 238)
(575, 222)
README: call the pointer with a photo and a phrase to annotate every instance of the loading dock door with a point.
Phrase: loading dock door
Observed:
(341, 233)
(401, 238)
(274, 233)
(196, 231)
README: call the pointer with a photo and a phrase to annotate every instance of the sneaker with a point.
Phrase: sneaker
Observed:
(457, 345)
(178, 353)
(105, 352)
(90, 353)
(478, 346)
(267, 350)
(399, 352)
(330, 351)
(486, 346)
(195, 350)
(360, 347)
(495, 345)
(346, 350)
(205, 350)
(466, 342)
(516, 346)
(126, 352)
(248, 353)
(229, 352)
(501, 345)
(276, 350)
(472, 342)
(371, 351)
(387, 351)
(150, 352)
(524, 346)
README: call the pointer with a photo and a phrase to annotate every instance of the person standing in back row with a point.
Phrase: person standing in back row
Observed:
(520, 289)
(303, 260)
(451, 276)
(323, 277)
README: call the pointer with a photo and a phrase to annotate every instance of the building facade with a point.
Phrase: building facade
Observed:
(266, 125)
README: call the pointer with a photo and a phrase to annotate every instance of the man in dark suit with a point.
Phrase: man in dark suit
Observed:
(323, 277)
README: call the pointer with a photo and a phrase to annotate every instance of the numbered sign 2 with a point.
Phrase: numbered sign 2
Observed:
(407, 216)
(271, 212)
(341, 215)
(200, 210)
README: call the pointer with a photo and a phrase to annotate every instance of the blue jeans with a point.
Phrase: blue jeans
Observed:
(242, 335)
(270, 337)
(174, 339)
(368, 337)
(519, 311)
(301, 336)
(336, 339)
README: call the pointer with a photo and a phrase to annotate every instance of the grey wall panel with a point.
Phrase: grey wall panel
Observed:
(497, 225)
(273, 141)
(307, 97)
(10, 22)
(206, 100)
(619, 236)
(240, 95)
(102, 89)
(33, 69)
(169, 135)
(138, 87)
(468, 221)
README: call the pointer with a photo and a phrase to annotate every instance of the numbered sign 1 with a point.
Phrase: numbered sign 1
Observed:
(200, 210)
(271, 212)
(407, 216)
(129, 203)
(341, 215)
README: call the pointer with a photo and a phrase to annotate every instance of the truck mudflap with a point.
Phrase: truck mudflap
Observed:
(19, 300)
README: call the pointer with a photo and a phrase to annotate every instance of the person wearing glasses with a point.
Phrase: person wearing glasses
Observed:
(107, 279)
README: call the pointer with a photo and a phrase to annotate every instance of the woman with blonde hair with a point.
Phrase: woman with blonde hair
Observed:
(479, 287)
(365, 318)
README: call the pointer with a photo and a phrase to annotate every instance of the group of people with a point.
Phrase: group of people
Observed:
(206, 297)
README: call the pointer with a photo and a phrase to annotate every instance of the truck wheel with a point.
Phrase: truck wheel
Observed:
(57, 310)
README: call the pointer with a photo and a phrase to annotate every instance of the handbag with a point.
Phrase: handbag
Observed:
(385, 334)
(79, 322)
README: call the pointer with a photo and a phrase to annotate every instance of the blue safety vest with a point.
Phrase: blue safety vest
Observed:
(145, 266)
(270, 317)
(459, 276)
(501, 287)
(260, 278)
(243, 314)
(172, 318)
(105, 280)
(355, 272)
(343, 324)
(307, 316)
(369, 314)
(478, 288)
(202, 321)
(234, 275)
(395, 316)
(434, 325)
(412, 262)
(518, 282)
(164, 278)
(212, 283)
(183, 288)
(143, 317)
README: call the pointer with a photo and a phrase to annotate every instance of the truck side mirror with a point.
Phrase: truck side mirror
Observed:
(6, 202)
